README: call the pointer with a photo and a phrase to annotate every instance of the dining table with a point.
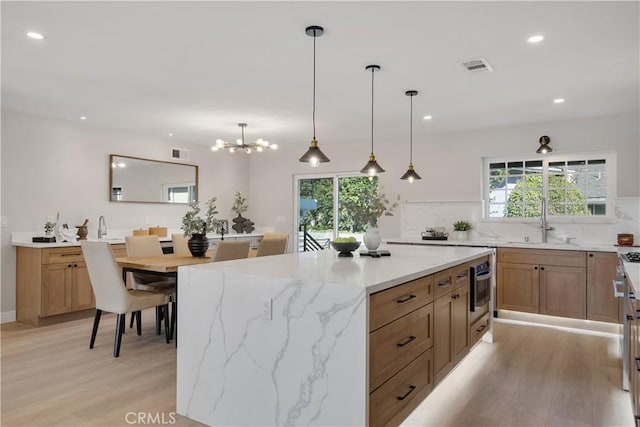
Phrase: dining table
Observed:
(162, 265)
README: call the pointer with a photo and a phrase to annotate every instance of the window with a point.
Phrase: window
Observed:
(575, 186)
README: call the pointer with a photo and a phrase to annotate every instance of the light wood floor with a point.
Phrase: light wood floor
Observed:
(530, 376)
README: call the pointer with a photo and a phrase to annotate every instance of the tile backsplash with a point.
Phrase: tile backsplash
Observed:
(416, 216)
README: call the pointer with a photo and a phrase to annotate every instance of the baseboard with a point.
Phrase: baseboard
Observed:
(7, 316)
(588, 327)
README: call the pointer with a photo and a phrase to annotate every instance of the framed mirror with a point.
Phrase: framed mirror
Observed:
(133, 179)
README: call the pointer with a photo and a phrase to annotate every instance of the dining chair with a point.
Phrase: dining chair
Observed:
(273, 244)
(138, 246)
(180, 245)
(231, 249)
(111, 294)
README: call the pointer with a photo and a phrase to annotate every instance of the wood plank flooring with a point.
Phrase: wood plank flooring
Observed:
(530, 376)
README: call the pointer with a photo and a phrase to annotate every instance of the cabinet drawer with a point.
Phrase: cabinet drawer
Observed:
(443, 282)
(460, 275)
(543, 256)
(396, 398)
(398, 343)
(391, 304)
(61, 255)
(478, 329)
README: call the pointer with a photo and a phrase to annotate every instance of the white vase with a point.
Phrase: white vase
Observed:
(462, 235)
(372, 238)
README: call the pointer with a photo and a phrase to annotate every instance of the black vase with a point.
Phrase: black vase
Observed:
(198, 244)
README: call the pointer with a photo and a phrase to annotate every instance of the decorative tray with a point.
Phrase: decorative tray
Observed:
(43, 239)
(434, 237)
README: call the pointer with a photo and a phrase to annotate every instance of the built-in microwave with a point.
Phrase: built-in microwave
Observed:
(480, 285)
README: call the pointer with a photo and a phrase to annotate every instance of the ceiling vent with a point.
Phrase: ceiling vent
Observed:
(477, 65)
(179, 154)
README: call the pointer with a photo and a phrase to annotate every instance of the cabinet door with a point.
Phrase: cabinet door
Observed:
(56, 283)
(442, 332)
(460, 326)
(563, 291)
(81, 293)
(601, 272)
(518, 287)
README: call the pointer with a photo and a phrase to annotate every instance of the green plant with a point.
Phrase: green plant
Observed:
(48, 227)
(461, 226)
(240, 204)
(368, 209)
(194, 224)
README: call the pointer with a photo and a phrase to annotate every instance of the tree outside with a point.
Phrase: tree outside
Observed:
(526, 198)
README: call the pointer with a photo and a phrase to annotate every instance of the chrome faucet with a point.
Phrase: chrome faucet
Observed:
(543, 220)
(102, 227)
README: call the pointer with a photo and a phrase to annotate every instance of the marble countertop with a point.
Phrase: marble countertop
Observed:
(405, 263)
(24, 240)
(632, 270)
(601, 247)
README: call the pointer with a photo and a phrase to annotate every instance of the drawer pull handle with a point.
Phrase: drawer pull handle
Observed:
(444, 283)
(407, 341)
(462, 275)
(411, 388)
(481, 328)
(71, 254)
(405, 299)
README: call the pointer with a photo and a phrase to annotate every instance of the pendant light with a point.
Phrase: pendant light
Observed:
(241, 146)
(544, 145)
(372, 167)
(314, 156)
(410, 174)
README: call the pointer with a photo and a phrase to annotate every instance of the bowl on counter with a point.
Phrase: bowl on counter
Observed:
(345, 248)
(625, 239)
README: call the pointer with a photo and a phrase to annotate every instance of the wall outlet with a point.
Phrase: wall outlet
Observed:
(267, 308)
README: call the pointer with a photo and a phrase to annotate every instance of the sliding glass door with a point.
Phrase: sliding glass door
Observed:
(320, 201)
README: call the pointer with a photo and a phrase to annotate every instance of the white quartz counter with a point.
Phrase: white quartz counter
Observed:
(283, 340)
(600, 247)
(24, 239)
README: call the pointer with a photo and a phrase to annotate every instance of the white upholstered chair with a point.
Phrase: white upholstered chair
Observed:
(180, 245)
(149, 246)
(111, 294)
(231, 249)
(272, 244)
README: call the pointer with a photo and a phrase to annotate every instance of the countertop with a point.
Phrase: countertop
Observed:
(405, 263)
(26, 241)
(632, 270)
(600, 247)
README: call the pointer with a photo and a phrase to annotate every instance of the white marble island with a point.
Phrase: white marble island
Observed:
(284, 340)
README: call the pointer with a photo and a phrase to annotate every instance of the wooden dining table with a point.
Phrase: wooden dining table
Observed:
(161, 265)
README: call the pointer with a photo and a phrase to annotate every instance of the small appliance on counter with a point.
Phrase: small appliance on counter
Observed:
(436, 233)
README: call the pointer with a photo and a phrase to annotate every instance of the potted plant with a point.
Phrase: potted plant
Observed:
(367, 210)
(197, 227)
(240, 224)
(48, 228)
(461, 229)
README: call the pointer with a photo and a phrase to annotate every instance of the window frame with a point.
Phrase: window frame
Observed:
(610, 158)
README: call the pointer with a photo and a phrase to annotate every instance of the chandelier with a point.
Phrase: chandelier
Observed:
(240, 145)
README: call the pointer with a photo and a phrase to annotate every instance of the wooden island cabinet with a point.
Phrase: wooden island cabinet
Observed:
(563, 283)
(52, 284)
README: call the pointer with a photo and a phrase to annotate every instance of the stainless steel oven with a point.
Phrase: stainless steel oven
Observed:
(480, 285)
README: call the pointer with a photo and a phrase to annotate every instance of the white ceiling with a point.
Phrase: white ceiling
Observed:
(196, 69)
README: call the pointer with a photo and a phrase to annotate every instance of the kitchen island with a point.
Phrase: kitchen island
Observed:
(291, 339)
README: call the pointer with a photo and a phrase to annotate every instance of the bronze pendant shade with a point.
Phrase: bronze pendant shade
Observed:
(372, 168)
(411, 175)
(314, 156)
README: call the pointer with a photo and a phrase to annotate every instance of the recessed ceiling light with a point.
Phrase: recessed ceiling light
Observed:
(34, 35)
(170, 134)
(558, 100)
(428, 117)
(83, 118)
(535, 39)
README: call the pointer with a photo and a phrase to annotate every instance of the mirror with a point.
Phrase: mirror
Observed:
(132, 179)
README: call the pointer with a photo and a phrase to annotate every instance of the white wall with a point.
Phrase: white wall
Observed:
(51, 166)
(450, 164)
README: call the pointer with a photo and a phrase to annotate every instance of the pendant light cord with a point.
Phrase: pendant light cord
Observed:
(411, 132)
(242, 127)
(314, 84)
(372, 72)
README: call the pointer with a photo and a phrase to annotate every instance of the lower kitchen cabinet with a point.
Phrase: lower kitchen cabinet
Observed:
(601, 272)
(518, 287)
(52, 283)
(563, 291)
